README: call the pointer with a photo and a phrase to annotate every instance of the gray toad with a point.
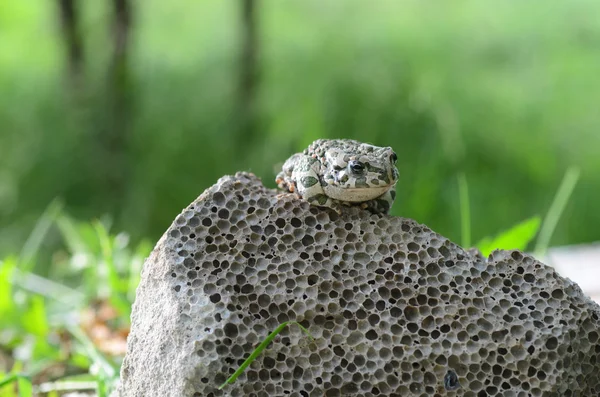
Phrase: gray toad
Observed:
(335, 172)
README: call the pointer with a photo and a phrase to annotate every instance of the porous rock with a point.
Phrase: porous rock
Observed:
(395, 309)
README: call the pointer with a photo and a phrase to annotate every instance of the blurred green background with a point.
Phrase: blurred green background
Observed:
(133, 112)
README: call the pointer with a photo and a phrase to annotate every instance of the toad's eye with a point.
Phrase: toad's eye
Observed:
(356, 167)
(393, 158)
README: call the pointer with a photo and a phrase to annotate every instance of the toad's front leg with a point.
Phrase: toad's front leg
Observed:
(308, 186)
(322, 200)
(381, 204)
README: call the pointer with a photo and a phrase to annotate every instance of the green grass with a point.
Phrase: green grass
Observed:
(488, 88)
(521, 235)
(556, 209)
(23, 384)
(465, 210)
(37, 313)
(516, 237)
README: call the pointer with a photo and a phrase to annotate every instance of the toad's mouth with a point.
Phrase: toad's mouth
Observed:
(355, 194)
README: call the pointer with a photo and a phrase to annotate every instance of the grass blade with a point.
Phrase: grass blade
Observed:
(71, 236)
(48, 288)
(35, 239)
(556, 209)
(303, 330)
(103, 364)
(25, 386)
(259, 350)
(465, 210)
(35, 318)
(114, 282)
(23, 382)
(69, 383)
(8, 379)
(7, 269)
(63, 386)
(517, 237)
(108, 373)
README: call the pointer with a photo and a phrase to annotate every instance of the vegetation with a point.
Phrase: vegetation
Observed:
(67, 331)
(504, 93)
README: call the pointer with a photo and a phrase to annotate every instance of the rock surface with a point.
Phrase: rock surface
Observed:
(395, 309)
